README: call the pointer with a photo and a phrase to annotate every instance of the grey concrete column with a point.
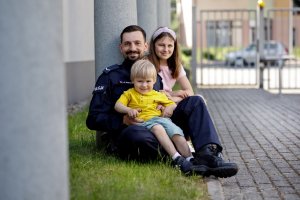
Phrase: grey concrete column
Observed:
(164, 13)
(111, 17)
(194, 46)
(33, 139)
(146, 12)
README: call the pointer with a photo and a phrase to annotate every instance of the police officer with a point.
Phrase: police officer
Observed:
(136, 142)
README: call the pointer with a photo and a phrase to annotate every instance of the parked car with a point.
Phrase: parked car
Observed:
(274, 52)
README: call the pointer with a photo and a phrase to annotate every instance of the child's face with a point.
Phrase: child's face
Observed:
(143, 85)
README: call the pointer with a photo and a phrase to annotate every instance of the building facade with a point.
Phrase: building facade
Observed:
(232, 23)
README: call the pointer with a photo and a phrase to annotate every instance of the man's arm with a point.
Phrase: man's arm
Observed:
(102, 115)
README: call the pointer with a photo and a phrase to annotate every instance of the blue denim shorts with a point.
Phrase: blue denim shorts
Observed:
(171, 128)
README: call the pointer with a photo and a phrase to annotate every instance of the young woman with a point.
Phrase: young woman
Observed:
(164, 54)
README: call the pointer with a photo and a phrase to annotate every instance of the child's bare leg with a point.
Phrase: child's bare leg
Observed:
(182, 146)
(164, 139)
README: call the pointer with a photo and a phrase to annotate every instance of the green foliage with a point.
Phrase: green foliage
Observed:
(215, 53)
(208, 55)
(296, 52)
(187, 51)
(96, 175)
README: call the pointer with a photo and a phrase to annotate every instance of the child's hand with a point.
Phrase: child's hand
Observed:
(131, 121)
(133, 113)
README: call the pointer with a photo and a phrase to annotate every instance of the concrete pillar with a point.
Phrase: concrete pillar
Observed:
(194, 46)
(33, 139)
(164, 13)
(146, 12)
(111, 17)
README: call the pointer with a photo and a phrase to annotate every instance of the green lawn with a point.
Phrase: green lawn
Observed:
(95, 175)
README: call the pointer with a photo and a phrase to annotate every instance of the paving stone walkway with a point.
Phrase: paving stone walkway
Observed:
(261, 132)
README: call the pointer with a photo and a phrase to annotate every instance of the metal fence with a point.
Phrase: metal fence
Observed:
(283, 25)
(227, 41)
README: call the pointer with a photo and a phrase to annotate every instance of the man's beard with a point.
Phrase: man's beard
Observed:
(129, 57)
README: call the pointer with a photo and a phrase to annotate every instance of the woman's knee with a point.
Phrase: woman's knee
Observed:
(196, 99)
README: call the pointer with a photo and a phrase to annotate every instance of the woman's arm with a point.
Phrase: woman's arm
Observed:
(186, 90)
(185, 86)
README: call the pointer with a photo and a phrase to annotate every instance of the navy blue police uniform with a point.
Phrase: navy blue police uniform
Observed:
(135, 141)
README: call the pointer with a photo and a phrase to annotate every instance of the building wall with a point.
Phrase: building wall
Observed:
(79, 56)
(80, 80)
(280, 19)
(222, 4)
(282, 4)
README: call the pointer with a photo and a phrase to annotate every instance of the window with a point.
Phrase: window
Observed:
(218, 33)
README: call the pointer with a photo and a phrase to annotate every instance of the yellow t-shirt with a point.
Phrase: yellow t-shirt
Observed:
(146, 102)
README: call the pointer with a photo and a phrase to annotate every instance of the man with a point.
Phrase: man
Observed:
(136, 142)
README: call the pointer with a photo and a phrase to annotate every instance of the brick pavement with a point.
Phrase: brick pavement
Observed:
(261, 132)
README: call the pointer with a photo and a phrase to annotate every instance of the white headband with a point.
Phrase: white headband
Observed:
(163, 30)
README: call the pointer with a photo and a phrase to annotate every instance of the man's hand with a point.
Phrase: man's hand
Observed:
(168, 111)
(131, 121)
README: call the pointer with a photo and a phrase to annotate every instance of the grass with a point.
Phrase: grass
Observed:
(96, 175)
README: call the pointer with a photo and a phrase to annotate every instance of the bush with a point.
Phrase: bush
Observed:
(187, 51)
(209, 56)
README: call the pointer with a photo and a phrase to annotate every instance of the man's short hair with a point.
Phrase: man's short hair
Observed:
(132, 28)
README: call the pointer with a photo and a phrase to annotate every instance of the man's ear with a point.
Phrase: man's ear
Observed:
(120, 47)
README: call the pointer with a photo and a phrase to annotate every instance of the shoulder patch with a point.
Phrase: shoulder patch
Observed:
(111, 68)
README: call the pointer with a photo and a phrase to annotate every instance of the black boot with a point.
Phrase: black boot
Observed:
(209, 161)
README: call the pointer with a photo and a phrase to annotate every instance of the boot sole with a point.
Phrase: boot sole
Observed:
(220, 172)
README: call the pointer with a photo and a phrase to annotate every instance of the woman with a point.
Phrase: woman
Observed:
(164, 54)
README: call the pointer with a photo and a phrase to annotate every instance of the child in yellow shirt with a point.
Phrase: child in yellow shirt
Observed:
(141, 103)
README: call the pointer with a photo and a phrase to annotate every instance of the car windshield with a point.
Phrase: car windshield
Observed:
(251, 47)
(270, 46)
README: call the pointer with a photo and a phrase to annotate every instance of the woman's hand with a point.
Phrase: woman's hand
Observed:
(173, 96)
(181, 93)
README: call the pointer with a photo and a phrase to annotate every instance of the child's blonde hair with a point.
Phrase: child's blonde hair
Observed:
(143, 69)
